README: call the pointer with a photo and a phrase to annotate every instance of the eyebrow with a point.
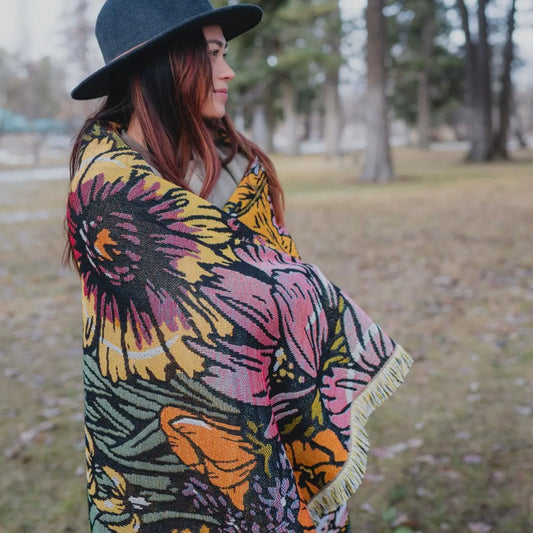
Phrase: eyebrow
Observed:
(222, 44)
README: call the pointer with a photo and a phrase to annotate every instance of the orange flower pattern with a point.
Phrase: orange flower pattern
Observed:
(212, 448)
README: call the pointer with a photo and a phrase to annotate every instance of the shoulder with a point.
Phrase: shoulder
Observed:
(105, 155)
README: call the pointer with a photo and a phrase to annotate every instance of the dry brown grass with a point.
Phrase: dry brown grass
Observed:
(442, 258)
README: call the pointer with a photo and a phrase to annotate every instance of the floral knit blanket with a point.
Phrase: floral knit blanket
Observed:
(227, 382)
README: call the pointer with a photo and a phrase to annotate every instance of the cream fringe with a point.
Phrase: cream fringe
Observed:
(347, 481)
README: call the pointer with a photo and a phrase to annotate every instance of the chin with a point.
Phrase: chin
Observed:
(214, 111)
(214, 116)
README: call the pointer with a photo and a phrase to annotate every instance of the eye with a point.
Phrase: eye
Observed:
(217, 52)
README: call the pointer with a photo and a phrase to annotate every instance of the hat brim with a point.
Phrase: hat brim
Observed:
(234, 20)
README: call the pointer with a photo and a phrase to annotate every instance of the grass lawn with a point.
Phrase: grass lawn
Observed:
(442, 258)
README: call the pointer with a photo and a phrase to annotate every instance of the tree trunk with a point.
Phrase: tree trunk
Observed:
(78, 35)
(479, 93)
(332, 114)
(332, 122)
(517, 125)
(270, 126)
(501, 136)
(290, 115)
(424, 101)
(470, 60)
(239, 118)
(481, 149)
(261, 134)
(479, 96)
(378, 164)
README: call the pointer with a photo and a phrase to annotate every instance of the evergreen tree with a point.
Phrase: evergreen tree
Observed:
(426, 75)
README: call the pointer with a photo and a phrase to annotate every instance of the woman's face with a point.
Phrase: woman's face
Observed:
(215, 105)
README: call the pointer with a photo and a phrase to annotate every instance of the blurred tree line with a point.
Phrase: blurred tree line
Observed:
(33, 88)
(32, 98)
(291, 71)
(418, 70)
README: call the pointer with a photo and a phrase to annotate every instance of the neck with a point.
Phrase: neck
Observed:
(135, 131)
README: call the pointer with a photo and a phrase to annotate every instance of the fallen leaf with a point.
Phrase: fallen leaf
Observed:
(472, 459)
(454, 475)
(11, 372)
(523, 410)
(367, 507)
(479, 527)
(422, 492)
(374, 478)
(471, 398)
(27, 437)
(498, 476)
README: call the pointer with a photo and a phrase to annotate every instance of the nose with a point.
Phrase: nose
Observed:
(226, 72)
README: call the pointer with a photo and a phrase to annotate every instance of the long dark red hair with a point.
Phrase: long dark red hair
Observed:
(167, 91)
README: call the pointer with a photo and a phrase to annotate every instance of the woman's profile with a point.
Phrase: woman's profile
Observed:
(227, 382)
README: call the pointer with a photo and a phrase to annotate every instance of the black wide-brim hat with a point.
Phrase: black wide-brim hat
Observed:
(125, 28)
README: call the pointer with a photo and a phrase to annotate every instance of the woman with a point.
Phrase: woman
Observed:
(227, 383)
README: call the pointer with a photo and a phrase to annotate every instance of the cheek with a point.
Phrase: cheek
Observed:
(214, 72)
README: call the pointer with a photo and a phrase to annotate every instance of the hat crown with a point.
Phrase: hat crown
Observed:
(123, 25)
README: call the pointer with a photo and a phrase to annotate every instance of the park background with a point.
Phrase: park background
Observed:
(403, 135)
